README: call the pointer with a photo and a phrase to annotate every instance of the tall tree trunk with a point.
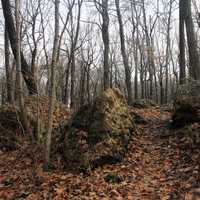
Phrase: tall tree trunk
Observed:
(168, 52)
(72, 94)
(105, 36)
(151, 69)
(82, 84)
(161, 86)
(72, 54)
(136, 72)
(20, 97)
(149, 54)
(88, 85)
(66, 89)
(137, 63)
(156, 86)
(182, 70)
(9, 81)
(52, 87)
(194, 57)
(10, 27)
(124, 55)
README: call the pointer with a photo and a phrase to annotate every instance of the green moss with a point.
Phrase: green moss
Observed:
(113, 177)
(95, 137)
(107, 124)
(84, 169)
(8, 182)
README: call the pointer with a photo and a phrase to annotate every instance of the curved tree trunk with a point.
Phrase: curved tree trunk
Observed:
(192, 43)
(124, 55)
(10, 27)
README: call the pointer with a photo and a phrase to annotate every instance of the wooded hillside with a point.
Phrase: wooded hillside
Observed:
(100, 100)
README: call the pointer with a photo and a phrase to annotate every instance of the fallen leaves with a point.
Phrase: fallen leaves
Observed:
(155, 168)
(40, 106)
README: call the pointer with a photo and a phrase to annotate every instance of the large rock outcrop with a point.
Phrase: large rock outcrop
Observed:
(11, 127)
(99, 134)
(187, 104)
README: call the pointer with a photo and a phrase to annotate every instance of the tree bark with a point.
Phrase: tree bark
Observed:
(124, 55)
(150, 63)
(9, 81)
(194, 58)
(10, 27)
(52, 87)
(181, 44)
(167, 52)
(20, 97)
(105, 36)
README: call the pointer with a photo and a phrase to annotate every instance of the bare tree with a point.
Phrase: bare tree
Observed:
(124, 55)
(52, 87)
(33, 31)
(149, 44)
(71, 51)
(182, 43)
(167, 54)
(9, 81)
(10, 27)
(194, 57)
(19, 89)
(74, 40)
(102, 7)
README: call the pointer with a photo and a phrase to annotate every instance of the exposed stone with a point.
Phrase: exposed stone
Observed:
(99, 133)
(143, 103)
(187, 105)
(113, 177)
(138, 119)
(11, 127)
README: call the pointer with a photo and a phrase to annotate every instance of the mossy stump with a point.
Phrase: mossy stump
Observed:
(99, 134)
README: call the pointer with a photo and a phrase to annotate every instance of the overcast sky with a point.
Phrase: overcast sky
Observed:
(88, 13)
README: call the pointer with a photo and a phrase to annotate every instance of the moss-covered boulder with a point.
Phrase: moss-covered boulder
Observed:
(143, 103)
(11, 124)
(99, 133)
(138, 118)
(187, 104)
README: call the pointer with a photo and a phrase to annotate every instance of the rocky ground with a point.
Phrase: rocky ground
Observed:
(161, 164)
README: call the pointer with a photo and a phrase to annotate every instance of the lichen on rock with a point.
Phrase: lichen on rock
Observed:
(99, 133)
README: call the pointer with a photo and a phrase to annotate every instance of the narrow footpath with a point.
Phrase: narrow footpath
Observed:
(162, 164)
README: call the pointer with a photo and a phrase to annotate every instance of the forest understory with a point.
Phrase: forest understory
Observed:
(99, 100)
(162, 163)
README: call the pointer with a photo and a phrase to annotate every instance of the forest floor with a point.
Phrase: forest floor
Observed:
(159, 165)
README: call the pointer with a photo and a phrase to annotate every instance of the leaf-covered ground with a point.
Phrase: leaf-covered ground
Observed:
(161, 164)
